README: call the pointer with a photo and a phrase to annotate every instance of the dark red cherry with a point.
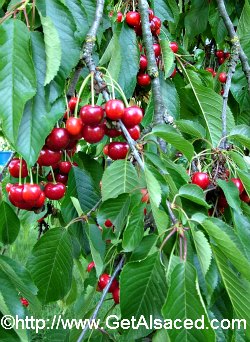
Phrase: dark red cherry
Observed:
(91, 115)
(156, 22)
(114, 109)
(40, 202)
(143, 62)
(119, 17)
(72, 104)
(173, 73)
(201, 179)
(74, 126)
(133, 18)
(54, 191)
(174, 47)
(116, 295)
(118, 150)
(135, 132)
(90, 266)
(93, 134)
(222, 77)
(108, 223)
(112, 132)
(103, 281)
(24, 302)
(16, 193)
(157, 49)
(221, 60)
(64, 166)
(106, 150)
(14, 167)
(31, 192)
(143, 80)
(150, 14)
(132, 116)
(48, 157)
(58, 139)
(220, 53)
(239, 184)
(61, 178)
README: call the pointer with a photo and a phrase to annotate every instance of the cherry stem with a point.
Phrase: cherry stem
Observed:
(167, 238)
(85, 81)
(92, 89)
(37, 172)
(31, 176)
(67, 105)
(122, 93)
(20, 171)
(53, 175)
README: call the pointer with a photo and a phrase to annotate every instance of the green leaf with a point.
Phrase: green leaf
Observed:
(237, 288)
(161, 218)
(203, 249)
(52, 48)
(188, 126)
(241, 134)
(125, 176)
(242, 225)
(193, 193)
(38, 117)
(129, 61)
(231, 192)
(170, 135)
(168, 57)
(51, 264)
(196, 18)
(185, 302)
(77, 10)
(146, 247)
(170, 97)
(97, 247)
(134, 230)
(243, 29)
(228, 247)
(153, 187)
(9, 224)
(162, 10)
(17, 75)
(210, 104)
(244, 177)
(143, 286)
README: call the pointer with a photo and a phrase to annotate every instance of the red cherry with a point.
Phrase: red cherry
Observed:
(143, 62)
(16, 193)
(227, 55)
(150, 14)
(156, 23)
(31, 192)
(90, 266)
(118, 150)
(50, 177)
(54, 191)
(40, 202)
(93, 134)
(132, 116)
(133, 18)
(211, 70)
(48, 157)
(143, 79)
(145, 211)
(173, 73)
(174, 47)
(58, 139)
(106, 149)
(103, 281)
(220, 53)
(112, 132)
(119, 17)
(114, 109)
(239, 184)
(134, 132)
(157, 49)
(61, 178)
(201, 179)
(8, 187)
(72, 104)
(145, 196)
(91, 115)
(222, 92)
(14, 167)
(222, 202)
(244, 197)
(64, 166)
(74, 126)
(116, 295)
(221, 60)
(222, 77)
(108, 223)
(24, 302)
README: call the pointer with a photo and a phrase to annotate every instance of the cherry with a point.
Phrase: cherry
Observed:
(143, 62)
(143, 79)
(54, 191)
(8, 187)
(106, 150)
(157, 49)
(145, 196)
(239, 184)
(58, 139)
(61, 178)
(114, 109)
(132, 116)
(93, 134)
(16, 193)
(221, 60)
(133, 18)
(118, 150)
(244, 197)
(14, 167)
(50, 177)
(90, 266)
(112, 132)
(174, 47)
(201, 179)
(72, 104)
(40, 202)
(227, 55)
(31, 192)
(173, 73)
(135, 132)
(155, 24)
(220, 53)
(103, 281)
(222, 202)
(150, 14)
(48, 157)
(91, 115)
(138, 30)
(24, 302)
(222, 77)
(119, 17)
(211, 70)
(108, 223)
(222, 92)
(74, 126)
(116, 295)
(64, 166)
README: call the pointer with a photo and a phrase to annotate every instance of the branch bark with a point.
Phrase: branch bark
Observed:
(234, 38)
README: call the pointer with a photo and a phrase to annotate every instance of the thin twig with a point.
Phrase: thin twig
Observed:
(171, 214)
(73, 83)
(233, 36)
(105, 291)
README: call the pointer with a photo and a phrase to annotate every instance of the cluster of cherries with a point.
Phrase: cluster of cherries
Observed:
(103, 282)
(222, 56)
(133, 19)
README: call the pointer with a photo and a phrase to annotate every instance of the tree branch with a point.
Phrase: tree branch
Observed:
(105, 291)
(233, 36)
